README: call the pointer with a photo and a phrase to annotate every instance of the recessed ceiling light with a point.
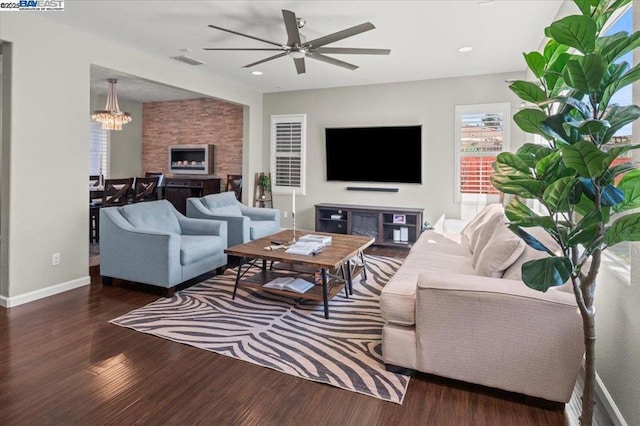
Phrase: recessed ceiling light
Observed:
(465, 49)
(256, 72)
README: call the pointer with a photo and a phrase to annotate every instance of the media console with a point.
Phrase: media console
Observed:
(371, 221)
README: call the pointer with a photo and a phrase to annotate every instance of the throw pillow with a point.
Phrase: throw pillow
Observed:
(480, 218)
(481, 236)
(502, 250)
(514, 272)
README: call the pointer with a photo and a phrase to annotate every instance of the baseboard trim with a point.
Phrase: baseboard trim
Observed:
(21, 299)
(608, 403)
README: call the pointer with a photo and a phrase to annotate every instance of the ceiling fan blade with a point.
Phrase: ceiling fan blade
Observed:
(291, 25)
(300, 65)
(279, 55)
(340, 35)
(351, 51)
(332, 61)
(245, 35)
(242, 48)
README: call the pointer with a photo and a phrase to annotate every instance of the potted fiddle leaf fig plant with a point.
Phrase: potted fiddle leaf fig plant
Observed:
(586, 187)
(265, 185)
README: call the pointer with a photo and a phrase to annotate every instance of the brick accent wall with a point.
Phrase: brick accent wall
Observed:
(196, 121)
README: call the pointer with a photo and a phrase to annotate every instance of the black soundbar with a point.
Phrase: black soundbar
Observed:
(368, 188)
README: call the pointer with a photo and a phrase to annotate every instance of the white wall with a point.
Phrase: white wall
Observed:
(48, 143)
(429, 103)
(618, 313)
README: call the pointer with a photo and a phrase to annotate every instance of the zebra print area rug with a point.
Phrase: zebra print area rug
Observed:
(280, 333)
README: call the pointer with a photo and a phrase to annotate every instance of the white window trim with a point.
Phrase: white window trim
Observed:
(287, 118)
(460, 110)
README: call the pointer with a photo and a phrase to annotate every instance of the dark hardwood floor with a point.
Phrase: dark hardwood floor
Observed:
(61, 362)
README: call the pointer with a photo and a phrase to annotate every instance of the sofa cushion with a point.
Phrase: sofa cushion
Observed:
(398, 298)
(501, 251)
(221, 199)
(484, 233)
(156, 216)
(231, 210)
(433, 241)
(262, 228)
(196, 247)
(481, 218)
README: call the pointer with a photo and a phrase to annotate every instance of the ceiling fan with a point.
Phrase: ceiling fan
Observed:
(314, 49)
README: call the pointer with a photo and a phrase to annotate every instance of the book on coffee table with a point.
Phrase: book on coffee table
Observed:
(297, 285)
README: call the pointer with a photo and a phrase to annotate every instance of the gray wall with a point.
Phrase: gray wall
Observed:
(125, 154)
(429, 103)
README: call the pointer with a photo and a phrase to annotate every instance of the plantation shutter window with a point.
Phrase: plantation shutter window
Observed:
(98, 149)
(482, 132)
(288, 144)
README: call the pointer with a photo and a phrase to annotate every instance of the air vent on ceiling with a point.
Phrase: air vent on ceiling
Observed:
(187, 60)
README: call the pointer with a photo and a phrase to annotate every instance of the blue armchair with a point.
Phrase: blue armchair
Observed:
(152, 243)
(244, 223)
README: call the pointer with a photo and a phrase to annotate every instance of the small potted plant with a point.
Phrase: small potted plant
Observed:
(265, 185)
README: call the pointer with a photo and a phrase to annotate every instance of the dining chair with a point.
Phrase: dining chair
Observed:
(145, 189)
(234, 183)
(160, 182)
(116, 192)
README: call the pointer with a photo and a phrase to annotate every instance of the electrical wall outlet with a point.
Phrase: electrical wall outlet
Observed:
(55, 259)
(285, 214)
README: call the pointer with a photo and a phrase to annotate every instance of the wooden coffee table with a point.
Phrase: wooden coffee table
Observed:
(332, 260)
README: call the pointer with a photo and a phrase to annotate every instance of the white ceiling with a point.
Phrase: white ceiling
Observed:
(424, 37)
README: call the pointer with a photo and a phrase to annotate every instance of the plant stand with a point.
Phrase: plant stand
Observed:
(261, 198)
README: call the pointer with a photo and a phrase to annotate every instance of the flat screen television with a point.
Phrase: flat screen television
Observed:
(374, 154)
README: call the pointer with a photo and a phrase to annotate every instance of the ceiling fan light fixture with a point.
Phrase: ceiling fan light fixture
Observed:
(256, 72)
(111, 117)
(297, 54)
(465, 49)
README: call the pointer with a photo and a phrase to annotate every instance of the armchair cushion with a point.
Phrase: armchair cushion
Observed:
(197, 247)
(152, 217)
(231, 210)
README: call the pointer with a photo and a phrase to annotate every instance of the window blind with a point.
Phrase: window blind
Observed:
(98, 149)
(287, 152)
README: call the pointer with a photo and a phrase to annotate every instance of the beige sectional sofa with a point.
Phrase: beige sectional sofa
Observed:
(458, 308)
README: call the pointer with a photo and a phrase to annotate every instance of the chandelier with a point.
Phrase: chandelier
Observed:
(111, 117)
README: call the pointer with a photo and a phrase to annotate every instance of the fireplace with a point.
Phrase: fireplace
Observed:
(191, 159)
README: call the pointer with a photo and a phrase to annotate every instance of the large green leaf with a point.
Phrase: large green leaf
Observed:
(580, 106)
(531, 153)
(553, 126)
(532, 241)
(576, 31)
(584, 158)
(528, 91)
(547, 167)
(591, 127)
(586, 206)
(586, 230)
(542, 274)
(556, 194)
(584, 6)
(509, 159)
(619, 44)
(618, 117)
(585, 73)
(554, 74)
(529, 120)
(526, 188)
(613, 172)
(629, 77)
(536, 63)
(613, 73)
(625, 228)
(630, 185)
(519, 214)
